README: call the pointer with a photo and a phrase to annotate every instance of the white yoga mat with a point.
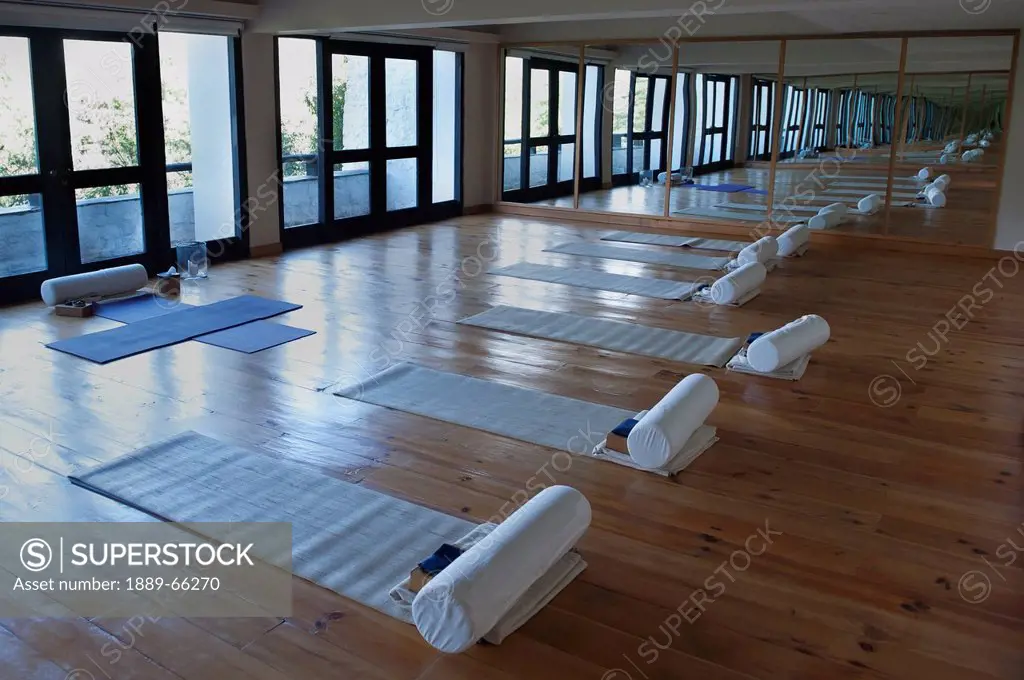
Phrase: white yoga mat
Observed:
(731, 215)
(527, 415)
(650, 239)
(661, 343)
(779, 207)
(663, 289)
(672, 240)
(869, 185)
(718, 244)
(880, 178)
(860, 193)
(611, 252)
(347, 538)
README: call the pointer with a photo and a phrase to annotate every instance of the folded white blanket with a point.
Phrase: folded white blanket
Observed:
(791, 371)
(704, 295)
(701, 440)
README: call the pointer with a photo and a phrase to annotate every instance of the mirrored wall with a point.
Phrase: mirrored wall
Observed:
(764, 134)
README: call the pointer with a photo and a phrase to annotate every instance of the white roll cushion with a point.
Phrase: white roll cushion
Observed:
(762, 250)
(125, 279)
(834, 207)
(738, 283)
(466, 600)
(774, 350)
(924, 173)
(791, 240)
(870, 203)
(945, 179)
(936, 198)
(818, 222)
(663, 432)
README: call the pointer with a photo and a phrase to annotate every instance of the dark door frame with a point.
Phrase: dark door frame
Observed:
(56, 179)
(329, 229)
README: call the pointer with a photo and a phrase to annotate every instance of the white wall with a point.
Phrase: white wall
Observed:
(480, 134)
(261, 138)
(1010, 222)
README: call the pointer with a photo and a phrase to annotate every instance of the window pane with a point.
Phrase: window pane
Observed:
(720, 103)
(445, 112)
(621, 102)
(618, 155)
(351, 101)
(658, 113)
(101, 104)
(512, 167)
(298, 101)
(699, 88)
(351, 189)
(400, 92)
(17, 113)
(639, 162)
(22, 238)
(401, 183)
(539, 166)
(195, 75)
(655, 154)
(540, 110)
(513, 97)
(109, 222)
(591, 102)
(678, 130)
(566, 161)
(640, 106)
(566, 103)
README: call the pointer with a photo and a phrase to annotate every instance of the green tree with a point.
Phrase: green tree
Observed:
(297, 140)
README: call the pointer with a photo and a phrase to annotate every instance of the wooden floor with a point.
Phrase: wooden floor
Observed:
(882, 510)
(966, 219)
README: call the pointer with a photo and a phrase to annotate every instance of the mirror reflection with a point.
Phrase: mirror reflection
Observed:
(539, 124)
(949, 147)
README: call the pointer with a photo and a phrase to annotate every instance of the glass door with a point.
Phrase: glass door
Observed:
(369, 137)
(546, 137)
(715, 123)
(760, 147)
(81, 111)
(646, 128)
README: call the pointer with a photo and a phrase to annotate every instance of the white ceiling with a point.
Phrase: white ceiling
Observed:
(537, 20)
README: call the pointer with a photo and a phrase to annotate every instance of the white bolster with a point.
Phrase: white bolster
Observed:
(774, 350)
(945, 179)
(791, 239)
(762, 250)
(935, 197)
(924, 173)
(663, 432)
(832, 217)
(944, 158)
(834, 207)
(466, 600)
(738, 283)
(113, 281)
(870, 203)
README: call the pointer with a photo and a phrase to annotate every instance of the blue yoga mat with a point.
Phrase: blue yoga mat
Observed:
(170, 329)
(254, 337)
(138, 308)
(752, 190)
(726, 188)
